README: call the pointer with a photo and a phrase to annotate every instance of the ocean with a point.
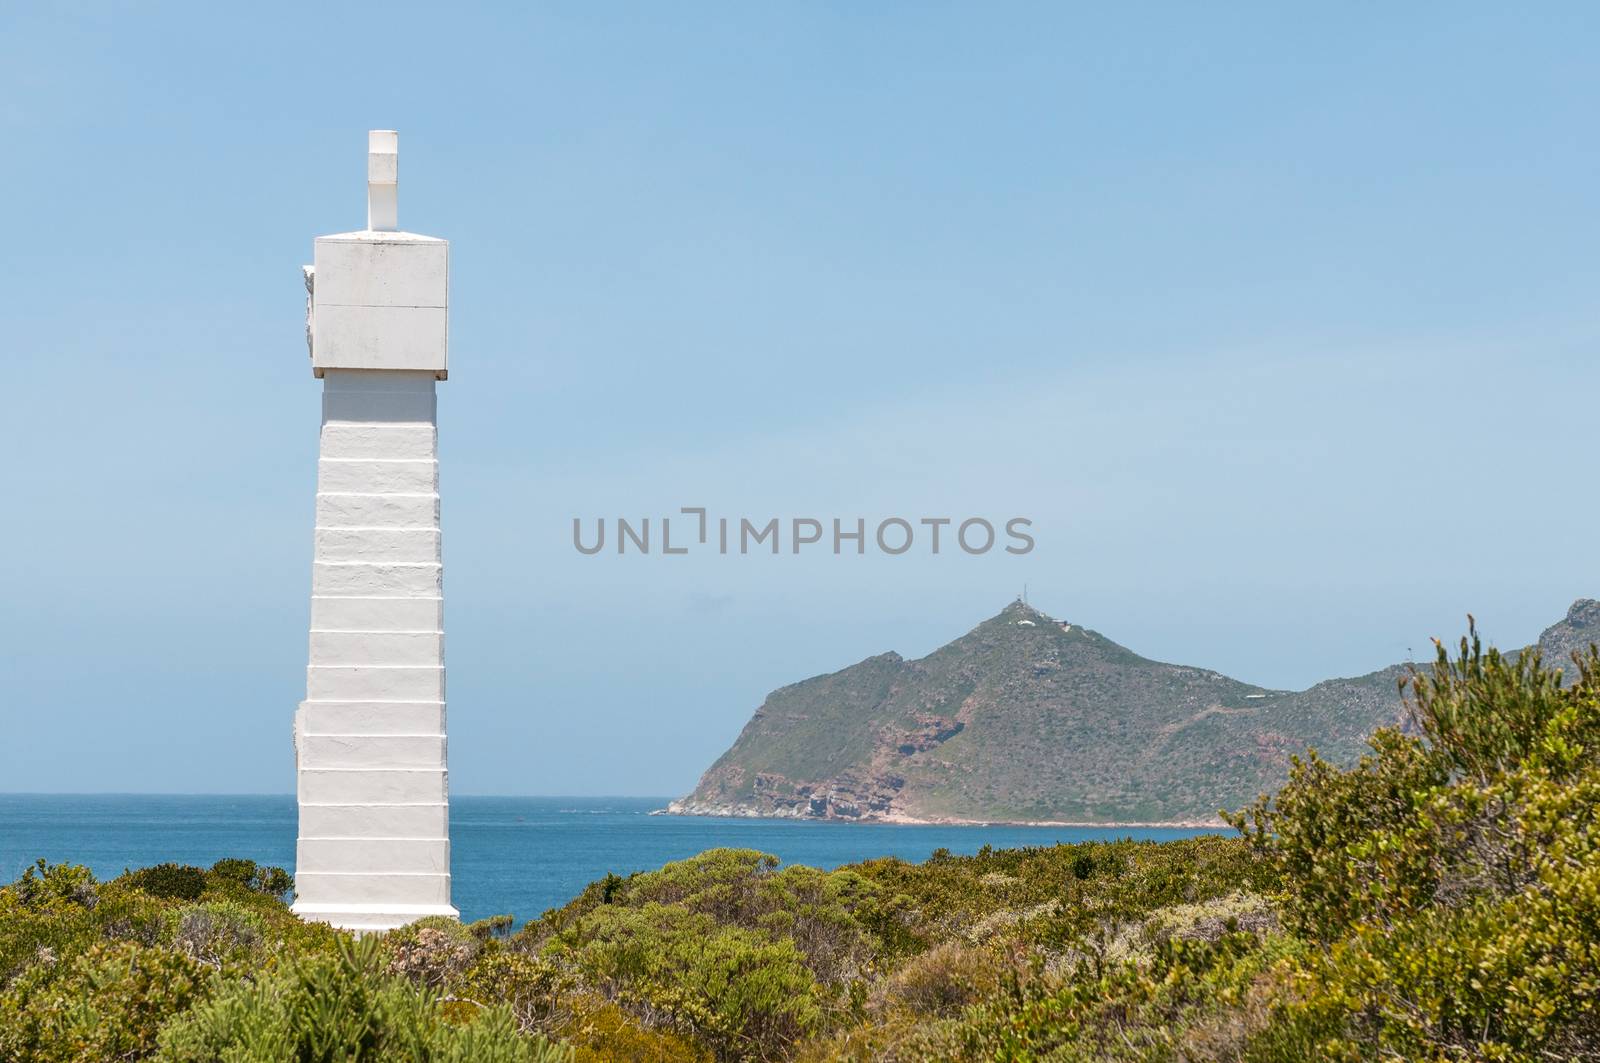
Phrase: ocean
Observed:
(509, 855)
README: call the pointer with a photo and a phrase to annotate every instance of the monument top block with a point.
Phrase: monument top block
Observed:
(379, 297)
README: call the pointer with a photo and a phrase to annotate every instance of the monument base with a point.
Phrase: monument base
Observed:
(371, 918)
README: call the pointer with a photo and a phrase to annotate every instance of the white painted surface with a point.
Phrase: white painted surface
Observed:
(388, 476)
(371, 544)
(380, 337)
(394, 269)
(345, 440)
(371, 755)
(373, 750)
(371, 786)
(386, 682)
(381, 404)
(377, 511)
(377, 614)
(372, 717)
(420, 820)
(380, 298)
(399, 647)
(383, 180)
(404, 890)
(429, 856)
(377, 579)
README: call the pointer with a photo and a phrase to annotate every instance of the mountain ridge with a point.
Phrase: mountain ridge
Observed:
(1031, 719)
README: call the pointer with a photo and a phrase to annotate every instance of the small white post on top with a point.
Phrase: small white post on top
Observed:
(383, 181)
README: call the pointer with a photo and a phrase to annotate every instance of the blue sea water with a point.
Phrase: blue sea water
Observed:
(513, 855)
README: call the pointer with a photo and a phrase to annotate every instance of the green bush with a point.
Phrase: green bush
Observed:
(324, 1009)
(46, 915)
(1451, 881)
(217, 933)
(536, 991)
(182, 882)
(601, 1032)
(272, 881)
(125, 914)
(45, 884)
(431, 951)
(109, 1003)
(946, 979)
(743, 993)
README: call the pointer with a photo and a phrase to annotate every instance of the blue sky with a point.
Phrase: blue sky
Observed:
(1279, 324)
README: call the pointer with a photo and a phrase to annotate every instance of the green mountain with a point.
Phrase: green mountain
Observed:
(1029, 718)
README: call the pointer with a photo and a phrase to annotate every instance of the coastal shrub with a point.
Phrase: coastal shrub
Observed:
(125, 914)
(493, 928)
(44, 884)
(216, 933)
(271, 881)
(822, 911)
(46, 915)
(431, 951)
(944, 980)
(599, 1031)
(536, 991)
(1131, 1011)
(747, 956)
(176, 881)
(885, 945)
(742, 993)
(1451, 881)
(726, 956)
(545, 999)
(109, 1003)
(1044, 895)
(324, 1009)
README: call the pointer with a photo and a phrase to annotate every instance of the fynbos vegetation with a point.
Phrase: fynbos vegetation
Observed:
(1438, 901)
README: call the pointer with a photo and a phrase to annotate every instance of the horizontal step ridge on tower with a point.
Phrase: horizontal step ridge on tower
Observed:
(373, 786)
(373, 855)
(368, 716)
(376, 752)
(332, 682)
(409, 819)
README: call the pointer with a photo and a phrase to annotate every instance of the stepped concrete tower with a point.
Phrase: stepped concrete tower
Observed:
(374, 844)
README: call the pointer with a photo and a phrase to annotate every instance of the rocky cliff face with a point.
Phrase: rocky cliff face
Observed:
(1027, 718)
(1573, 634)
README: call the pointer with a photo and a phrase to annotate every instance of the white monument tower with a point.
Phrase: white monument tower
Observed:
(374, 844)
